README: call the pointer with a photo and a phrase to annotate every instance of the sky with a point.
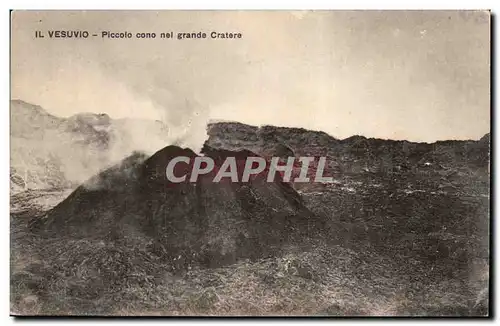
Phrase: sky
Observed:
(414, 75)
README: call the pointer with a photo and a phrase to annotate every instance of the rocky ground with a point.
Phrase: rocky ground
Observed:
(406, 229)
(400, 248)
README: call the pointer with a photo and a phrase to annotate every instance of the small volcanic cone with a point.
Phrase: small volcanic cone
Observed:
(204, 221)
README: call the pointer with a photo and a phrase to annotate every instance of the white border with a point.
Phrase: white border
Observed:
(259, 4)
(185, 4)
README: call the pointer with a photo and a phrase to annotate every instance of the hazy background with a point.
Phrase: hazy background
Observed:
(421, 76)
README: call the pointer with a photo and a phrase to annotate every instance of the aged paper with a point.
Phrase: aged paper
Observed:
(250, 163)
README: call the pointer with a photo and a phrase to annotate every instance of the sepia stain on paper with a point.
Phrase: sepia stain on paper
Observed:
(250, 163)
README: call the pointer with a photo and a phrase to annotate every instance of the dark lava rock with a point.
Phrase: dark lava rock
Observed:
(204, 222)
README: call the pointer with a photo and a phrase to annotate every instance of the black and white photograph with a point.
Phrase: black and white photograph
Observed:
(255, 163)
